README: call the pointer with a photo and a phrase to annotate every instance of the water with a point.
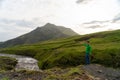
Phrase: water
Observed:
(24, 62)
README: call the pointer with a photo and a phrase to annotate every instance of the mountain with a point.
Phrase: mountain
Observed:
(46, 32)
(1, 42)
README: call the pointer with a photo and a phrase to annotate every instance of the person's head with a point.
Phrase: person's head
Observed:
(87, 41)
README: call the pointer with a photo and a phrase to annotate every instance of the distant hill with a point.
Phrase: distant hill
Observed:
(46, 32)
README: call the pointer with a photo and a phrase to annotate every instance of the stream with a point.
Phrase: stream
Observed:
(24, 62)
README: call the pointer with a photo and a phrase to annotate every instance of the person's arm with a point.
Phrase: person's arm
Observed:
(85, 44)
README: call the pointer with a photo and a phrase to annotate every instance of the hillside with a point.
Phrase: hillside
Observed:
(70, 52)
(46, 32)
(1, 42)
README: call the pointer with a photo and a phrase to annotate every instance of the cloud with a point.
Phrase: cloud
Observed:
(95, 26)
(103, 25)
(24, 23)
(10, 28)
(1, 1)
(83, 1)
(96, 22)
(6, 36)
(79, 1)
(118, 1)
(21, 23)
(116, 18)
(8, 31)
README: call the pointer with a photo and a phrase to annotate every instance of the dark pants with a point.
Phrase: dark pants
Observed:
(87, 58)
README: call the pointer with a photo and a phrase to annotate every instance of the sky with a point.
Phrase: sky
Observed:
(18, 17)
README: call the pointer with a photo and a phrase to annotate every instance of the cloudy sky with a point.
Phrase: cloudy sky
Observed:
(18, 17)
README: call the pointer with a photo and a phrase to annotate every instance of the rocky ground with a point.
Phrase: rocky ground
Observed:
(86, 72)
(22, 75)
(100, 72)
(50, 74)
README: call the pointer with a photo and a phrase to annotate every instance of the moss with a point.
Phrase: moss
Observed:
(5, 78)
(7, 63)
(70, 73)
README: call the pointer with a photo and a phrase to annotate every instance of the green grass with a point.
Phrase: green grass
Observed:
(70, 52)
(5, 78)
(7, 63)
(65, 73)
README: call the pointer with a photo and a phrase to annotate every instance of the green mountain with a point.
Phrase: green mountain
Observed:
(70, 51)
(46, 32)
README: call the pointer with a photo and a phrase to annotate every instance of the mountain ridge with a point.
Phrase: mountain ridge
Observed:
(47, 32)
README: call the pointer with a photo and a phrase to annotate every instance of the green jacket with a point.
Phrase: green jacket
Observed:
(88, 48)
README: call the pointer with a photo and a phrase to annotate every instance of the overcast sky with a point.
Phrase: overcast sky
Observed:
(18, 17)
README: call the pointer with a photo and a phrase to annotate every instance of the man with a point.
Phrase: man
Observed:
(88, 52)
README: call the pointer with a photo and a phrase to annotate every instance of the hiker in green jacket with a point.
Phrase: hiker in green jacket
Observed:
(88, 52)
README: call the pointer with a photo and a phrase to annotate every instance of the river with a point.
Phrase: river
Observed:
(24, 62)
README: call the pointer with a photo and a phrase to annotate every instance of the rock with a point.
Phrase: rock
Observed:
(15, 75)
(97, 78)
(99, 71)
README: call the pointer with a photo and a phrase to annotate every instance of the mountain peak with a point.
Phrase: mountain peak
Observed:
(49, 24)
(47, 32)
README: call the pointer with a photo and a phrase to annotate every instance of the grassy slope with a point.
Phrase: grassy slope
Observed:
(70, 52)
